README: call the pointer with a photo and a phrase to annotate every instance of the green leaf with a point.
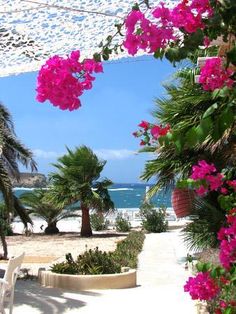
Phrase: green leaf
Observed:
(97, 57)
(109, 39)
(206, 267)
(231, 55)
(215, 93)
(105, 57)
(199, 266)
(226, 120)
(192, 137)
(204, 129)
(228, 311)
(159, 54)
(178, 145)
(135, 7)
(210, 110)
(173, 54)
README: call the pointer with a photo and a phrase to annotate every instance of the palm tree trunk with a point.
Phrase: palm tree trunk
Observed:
(4, 243)
(86, 230)
(51, 228)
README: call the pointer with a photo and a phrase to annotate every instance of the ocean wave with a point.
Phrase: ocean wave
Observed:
(121, 189)
(27, 189)
(20, 189)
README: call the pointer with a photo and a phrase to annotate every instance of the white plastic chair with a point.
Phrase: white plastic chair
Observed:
(7, 283)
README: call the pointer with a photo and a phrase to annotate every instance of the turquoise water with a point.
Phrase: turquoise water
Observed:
(128, 195)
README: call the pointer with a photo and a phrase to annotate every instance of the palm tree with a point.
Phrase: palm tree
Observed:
(40, 205)
(12, 152)
(78, 171)
(184, 108)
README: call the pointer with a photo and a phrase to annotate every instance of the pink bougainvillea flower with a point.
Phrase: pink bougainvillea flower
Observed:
(206, 41)
(224, 191)
(223, 304)
(202, 190)
(142, 143)
(132, 19)
(144, 125)
(214, 75)
(63, 80)
(202, 287)
(200, 171)
(162, 13)
(157, 131)
(215, 181)
(227, 236)
(132, 43)
(232, 183)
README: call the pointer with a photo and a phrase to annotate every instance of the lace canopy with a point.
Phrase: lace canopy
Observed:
(33, 30)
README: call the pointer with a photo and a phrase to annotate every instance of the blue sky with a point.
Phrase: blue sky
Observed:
(121, 97)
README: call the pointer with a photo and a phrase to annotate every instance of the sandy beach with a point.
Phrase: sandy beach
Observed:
(43, 250)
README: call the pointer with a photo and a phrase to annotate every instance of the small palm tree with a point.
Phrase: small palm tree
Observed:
(12, 152)
(40, 205)
(78, 171)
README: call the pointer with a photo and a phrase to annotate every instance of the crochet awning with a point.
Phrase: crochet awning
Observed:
(32, 31)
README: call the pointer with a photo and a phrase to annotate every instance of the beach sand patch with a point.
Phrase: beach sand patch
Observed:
(36, 259)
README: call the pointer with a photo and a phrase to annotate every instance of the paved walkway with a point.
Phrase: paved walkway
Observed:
(159, 290)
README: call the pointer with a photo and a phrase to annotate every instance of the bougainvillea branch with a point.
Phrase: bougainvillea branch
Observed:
(63, 80)
(151, 133)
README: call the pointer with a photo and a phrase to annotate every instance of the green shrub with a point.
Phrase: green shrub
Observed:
(127, 250)
(94, 262)
(97, 262)
(153, 220)
(98, 222)
(68, 267)
(122, 224)
(91, 262)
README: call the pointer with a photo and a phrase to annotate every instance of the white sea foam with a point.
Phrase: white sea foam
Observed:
(121, 189)
(22, 188)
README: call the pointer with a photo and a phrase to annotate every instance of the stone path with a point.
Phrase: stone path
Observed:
(160, 281)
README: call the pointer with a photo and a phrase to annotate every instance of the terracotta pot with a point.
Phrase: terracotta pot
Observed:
(182, 200)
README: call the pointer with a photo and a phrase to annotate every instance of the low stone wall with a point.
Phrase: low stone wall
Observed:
(88, 282)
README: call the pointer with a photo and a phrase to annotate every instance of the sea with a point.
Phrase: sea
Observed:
(128, 195)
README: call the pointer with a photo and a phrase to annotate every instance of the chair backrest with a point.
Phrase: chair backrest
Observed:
(13, 268)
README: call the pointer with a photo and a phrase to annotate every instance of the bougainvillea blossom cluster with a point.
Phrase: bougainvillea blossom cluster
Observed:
(202, 287)
(214, 75)
(144, 34)
(214, 286)
(227, 236)
(217, 286)
(150, 133)
(209, 177)
(63, 80)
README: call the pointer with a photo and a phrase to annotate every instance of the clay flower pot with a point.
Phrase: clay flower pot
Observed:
(182, 200)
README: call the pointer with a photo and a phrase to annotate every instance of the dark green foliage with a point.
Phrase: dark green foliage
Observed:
(126, 253)
(97, 262)
(122, 224)
(94, 262)
(98, 222)
(202, 232)
(42, 206)
(68, 267)
(6, 227)
(153, 220)
(91, 262)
